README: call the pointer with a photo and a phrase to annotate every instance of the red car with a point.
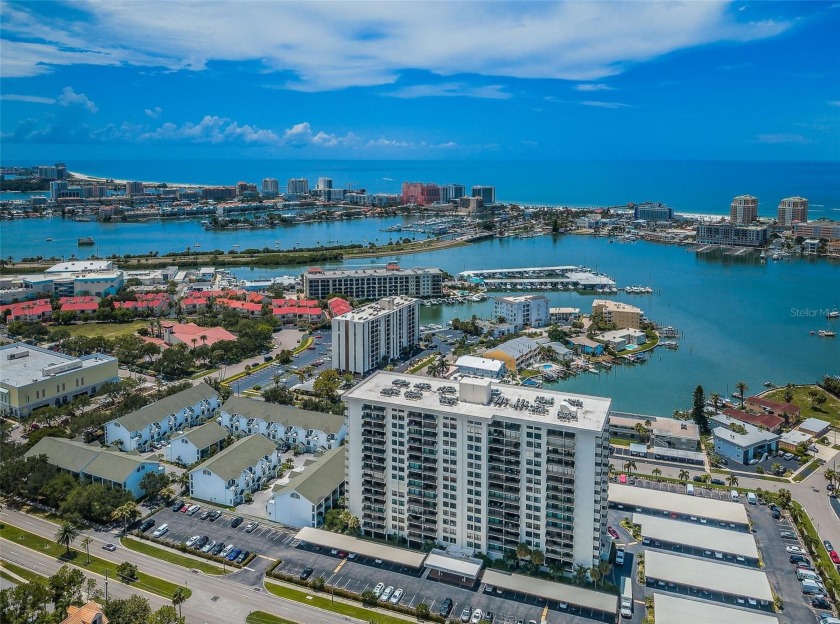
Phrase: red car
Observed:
(835, 558)
(613, 533)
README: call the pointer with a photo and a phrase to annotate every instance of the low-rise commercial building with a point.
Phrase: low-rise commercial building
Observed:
(516, 353)
(523, 311)
(666, 433)
(95, 464)
(156, 422)
(622, 315)
(480, 367)
(582, 344)
(789, 440)
(243, 467)
(741, 442)
(284, 424)
(388, 281)
(194, 445)
(364, 338)
(309, 495)
(33, 377)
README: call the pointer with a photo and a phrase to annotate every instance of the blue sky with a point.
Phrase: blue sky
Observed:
(443, 80)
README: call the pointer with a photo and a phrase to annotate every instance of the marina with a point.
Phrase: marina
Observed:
(541, 278)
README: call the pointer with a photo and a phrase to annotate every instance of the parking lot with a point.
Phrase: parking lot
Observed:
(288, 372)
(361, 573)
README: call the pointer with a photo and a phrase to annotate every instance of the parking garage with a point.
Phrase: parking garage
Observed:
(678, 506)
(365, 548)
(720, 582)
(699, 540)
(672, 610)
(574, 599)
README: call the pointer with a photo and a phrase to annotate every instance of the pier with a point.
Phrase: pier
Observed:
(542, 278)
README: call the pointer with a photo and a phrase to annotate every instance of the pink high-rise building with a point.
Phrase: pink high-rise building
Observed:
(420, 193)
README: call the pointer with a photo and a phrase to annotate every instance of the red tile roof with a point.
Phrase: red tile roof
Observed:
(768, 421)
(185, 332)
(790, 408)
(339, 306)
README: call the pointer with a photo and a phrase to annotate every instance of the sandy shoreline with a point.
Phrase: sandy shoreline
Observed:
(90, 178)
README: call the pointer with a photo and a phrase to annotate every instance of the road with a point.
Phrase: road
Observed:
(227, 601)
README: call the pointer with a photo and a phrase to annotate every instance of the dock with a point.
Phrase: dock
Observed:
(542, 278)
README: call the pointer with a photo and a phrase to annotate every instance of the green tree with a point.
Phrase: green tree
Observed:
(422, 611)
(179, 597)
(784, 497)
(595, 575)
(698, 411)
(127, 512)
(25, 604)
(280, 395)
(629, 466)
(579, 574)
(166, 615)
(66, 587)
(732, 480)
(683, 475)
(656, 472)
(132, 610)
(327, 384)
(86, 542)
(127, 571)
(66, 535)
(153, 482)
(369, 598)
(788, 393)
(319, 583)
(537, 558)
(776, 468)
(742, 388)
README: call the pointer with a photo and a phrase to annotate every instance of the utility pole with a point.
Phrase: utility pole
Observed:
(106, 587)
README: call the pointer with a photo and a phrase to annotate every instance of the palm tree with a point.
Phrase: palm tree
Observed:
(595, 575)
(629, 466)
(683, 475)
(831, 475)
(742, 388)
(126, 512)
(715, 397)
(523, 551)
(86, 542)
(537, 558)
(656, 472)
(66, 535)
(276, 379)
(776, 468)
(179, 597)
(732, 480)
(605, 567)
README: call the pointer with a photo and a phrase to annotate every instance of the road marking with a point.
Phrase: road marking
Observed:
(544, 613)
(343, 561)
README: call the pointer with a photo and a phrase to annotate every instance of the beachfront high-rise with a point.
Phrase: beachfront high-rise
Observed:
(792, 209)
(420, 193)
(486, 193)
(297, 186)
(270, 186)
(743, 210)
(479, 465)
(451, 192)
(324, 184)
(133, 188)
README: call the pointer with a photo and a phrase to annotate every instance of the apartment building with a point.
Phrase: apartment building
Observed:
(526, 310)
(623, 315)
(362, 338)
(743, 210)
(479, 465)
(376, 283)
(829, 230)
(792, 210)
(732, 234)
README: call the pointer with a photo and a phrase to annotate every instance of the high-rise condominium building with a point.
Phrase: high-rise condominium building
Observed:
(530, 310)
(451, 192)
(792, 209)
(133, 188)
(271, 185)
(479, 465)
(420, 193)
(743, 210)
(297, 186)
(375, 283)
(324, 183)
(487, 193)
(362, 338)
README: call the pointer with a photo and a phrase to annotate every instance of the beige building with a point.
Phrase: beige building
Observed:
(792, 209)
(623, 315)
(33, 377)
(743, 210)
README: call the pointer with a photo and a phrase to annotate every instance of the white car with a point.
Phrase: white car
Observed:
(476, 617)
(387, 593)
(397, 596)
(208, 546)
(193, 540)
(161, 530)
(377, 591)
(795, 550)
(226, 550)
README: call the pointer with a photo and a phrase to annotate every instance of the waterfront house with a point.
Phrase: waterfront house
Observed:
(758, 405)
(815, 427)
(741, 442)
(194, 445)
(582, 344)
(622, 315)
(480, 367)
(564, 315)
(620, 339)
(665, 433)
(516, 353)
(287, 425)
(95, 464)
(762, 420)
(244, 466)
(158, 421)
(309, 494)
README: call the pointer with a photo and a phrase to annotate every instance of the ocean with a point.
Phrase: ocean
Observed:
(686, 186)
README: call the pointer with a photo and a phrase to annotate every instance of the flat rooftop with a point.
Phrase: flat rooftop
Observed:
(348, 543)
(716, 577)
(377, 309)
(22, 364)
(669, 609)
(632, 496)
(697, 536)
(572, 594)
(378, 272)
(590, 411)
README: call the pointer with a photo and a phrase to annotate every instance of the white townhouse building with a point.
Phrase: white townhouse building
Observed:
(480, 367)
(96, 464)
(244, 466)
(194, 445)
(303, 501)
(284, 424)
(158, 421)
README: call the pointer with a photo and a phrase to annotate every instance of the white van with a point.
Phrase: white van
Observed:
(735, 496)
(689, 489)
(751, 498)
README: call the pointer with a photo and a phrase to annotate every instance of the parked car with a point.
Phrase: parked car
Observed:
(697, 479)
(243, 556)
(835, 558)
(201, 542)
(387, 593)
(208, 546)
(185, 507)
(214, 515)
(109, 547)
(798, 559)
(232, 555)
(820, 602)
(205, 514)
(795, 550)
(307, 572)
(476, 617)
(236, 522)
(226, 550)
(193, 509)
(217, 549)
(613, 533)
(828, 545)
(445, 608)
(718, 482)
(776, 514)
(161, 530)
(176, 506)
(466, 613)
(377, 591)
(788, 535)
(192, 540)
(146, 525)
(395, 599)
(619, 557)
(249, 528)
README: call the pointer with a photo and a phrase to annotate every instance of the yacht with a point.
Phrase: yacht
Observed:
(832, 315)
(826, 333)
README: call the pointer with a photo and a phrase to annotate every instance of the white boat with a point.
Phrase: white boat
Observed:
(826, 333)
(832, 315)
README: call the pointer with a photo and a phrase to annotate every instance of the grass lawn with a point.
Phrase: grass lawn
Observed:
(79, 559)
(821, 555)
(106, 330)
(29, 575)
(261, 617)
(830, 410)
(622, 441)
(172, 557)
(422, 365)
(321, 600)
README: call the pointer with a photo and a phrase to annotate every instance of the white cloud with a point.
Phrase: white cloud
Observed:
(781, 137)
(69, 97)
(32, 99)
(451, 89)
(154, 113)
(211, 129)
(598, 104)
(593, 86)
(301, 135)
(371, 43)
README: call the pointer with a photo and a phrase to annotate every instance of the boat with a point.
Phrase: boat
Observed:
(86, 241)
(49, 240)
(832, 315)
(826, 333)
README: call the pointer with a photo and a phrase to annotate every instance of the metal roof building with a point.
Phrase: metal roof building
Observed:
(641, 500)
(697, 536)
(376, 550)
(669, 609)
